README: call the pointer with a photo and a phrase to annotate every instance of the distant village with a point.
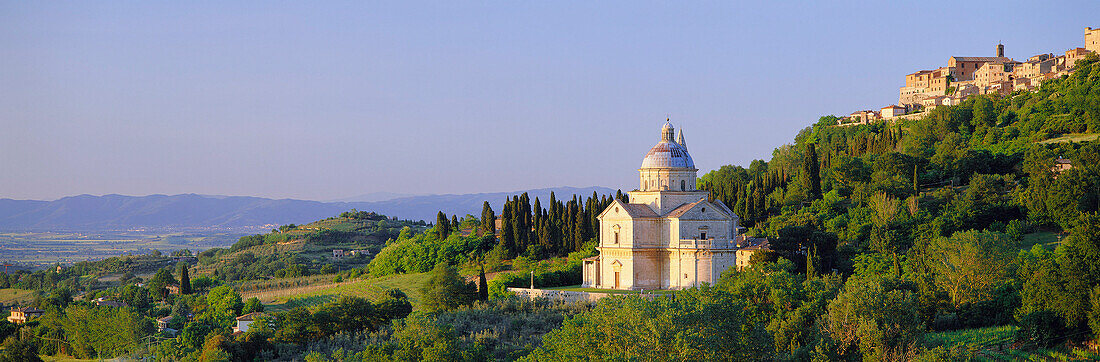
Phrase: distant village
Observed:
(966, 76)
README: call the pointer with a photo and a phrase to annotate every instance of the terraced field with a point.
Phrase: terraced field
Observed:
(318, 292)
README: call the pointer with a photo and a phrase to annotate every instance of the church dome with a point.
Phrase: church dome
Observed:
(668, 153)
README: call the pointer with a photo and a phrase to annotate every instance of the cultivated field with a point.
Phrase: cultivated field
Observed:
(1074, 137)
(318, 292)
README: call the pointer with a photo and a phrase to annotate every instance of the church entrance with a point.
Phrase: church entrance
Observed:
(616, 280)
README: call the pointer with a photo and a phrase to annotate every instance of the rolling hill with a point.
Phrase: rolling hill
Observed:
(192, 211)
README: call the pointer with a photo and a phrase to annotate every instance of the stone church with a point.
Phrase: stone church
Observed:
(669, 236)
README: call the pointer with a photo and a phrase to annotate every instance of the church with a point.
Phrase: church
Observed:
(669, 236)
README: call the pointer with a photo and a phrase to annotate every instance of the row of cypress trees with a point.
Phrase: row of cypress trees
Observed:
(540, 231)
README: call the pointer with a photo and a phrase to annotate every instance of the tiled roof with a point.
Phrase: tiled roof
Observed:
(981, 59)
(27, 309)
(680, 211)
(250, 316)
(638, 210)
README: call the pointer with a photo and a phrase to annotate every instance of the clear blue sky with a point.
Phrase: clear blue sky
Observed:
(322, 100)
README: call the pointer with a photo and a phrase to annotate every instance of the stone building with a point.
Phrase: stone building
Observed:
(669, 236)
(1092, 39)
(891, 111)
(965, 67)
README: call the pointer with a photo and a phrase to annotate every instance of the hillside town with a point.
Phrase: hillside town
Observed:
(967, 76)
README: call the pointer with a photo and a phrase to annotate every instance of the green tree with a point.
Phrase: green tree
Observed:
(445, 289)
(693, 325)
(969, 265)
(19, 351)
(875, 318)
(1079, 259)
(488, 219)
(185, 280)
(442, 226)
(393, 304)
(811, 173)
(161, 280)
(224, 301)
(482, 285)
(252, 305)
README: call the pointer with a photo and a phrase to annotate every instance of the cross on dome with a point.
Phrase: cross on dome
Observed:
(670, 152)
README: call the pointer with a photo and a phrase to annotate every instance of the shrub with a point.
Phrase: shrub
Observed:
(1041, 329)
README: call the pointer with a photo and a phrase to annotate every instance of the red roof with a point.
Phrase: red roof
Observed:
(250, 316)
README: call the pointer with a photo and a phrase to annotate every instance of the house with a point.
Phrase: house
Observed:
(965, 67)
(162, 325)
(22, 315)
(892, 110)
(173, 289)
(1061, 165)
(864, 116)
(932, 102)
(1075, 54)
(744, 254)
(245, 321)
(106, 302)
(338, 253)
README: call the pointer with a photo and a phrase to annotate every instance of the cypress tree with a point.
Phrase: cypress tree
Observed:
(916, 185)
(185, 280)
(488, 219)
(811, 173)
(578, 231)
(519, 233)
(442, 226)
(482, 285)
(507, 223)
(454, 223)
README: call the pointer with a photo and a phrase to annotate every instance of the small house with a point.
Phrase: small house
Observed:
(22, 315)
(245, 321)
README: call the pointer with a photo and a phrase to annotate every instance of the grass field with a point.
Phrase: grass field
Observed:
(1073, 137)
(1047, 239)
(974, 339)
(319, 293)
(16, 296)
(993, 344)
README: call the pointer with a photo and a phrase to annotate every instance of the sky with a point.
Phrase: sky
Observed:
(324, 100)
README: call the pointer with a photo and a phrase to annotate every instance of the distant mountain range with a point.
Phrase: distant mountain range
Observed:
(191, 211)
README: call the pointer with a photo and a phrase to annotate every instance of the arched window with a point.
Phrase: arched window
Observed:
(683, 185)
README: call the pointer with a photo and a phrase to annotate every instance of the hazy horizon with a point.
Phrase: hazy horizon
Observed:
(326, 101)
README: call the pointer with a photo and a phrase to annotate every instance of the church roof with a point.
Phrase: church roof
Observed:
(639, 210)
(679, 211)
(668, 153)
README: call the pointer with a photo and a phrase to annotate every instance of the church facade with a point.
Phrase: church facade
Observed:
(669, 236)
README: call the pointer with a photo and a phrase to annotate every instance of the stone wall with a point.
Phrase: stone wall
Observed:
(570, 296)
(563, 295)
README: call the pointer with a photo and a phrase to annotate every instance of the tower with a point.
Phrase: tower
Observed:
(1000, 50)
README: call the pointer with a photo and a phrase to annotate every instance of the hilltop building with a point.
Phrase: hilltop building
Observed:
(967, 76)
(669, 236)
(1092, 39)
